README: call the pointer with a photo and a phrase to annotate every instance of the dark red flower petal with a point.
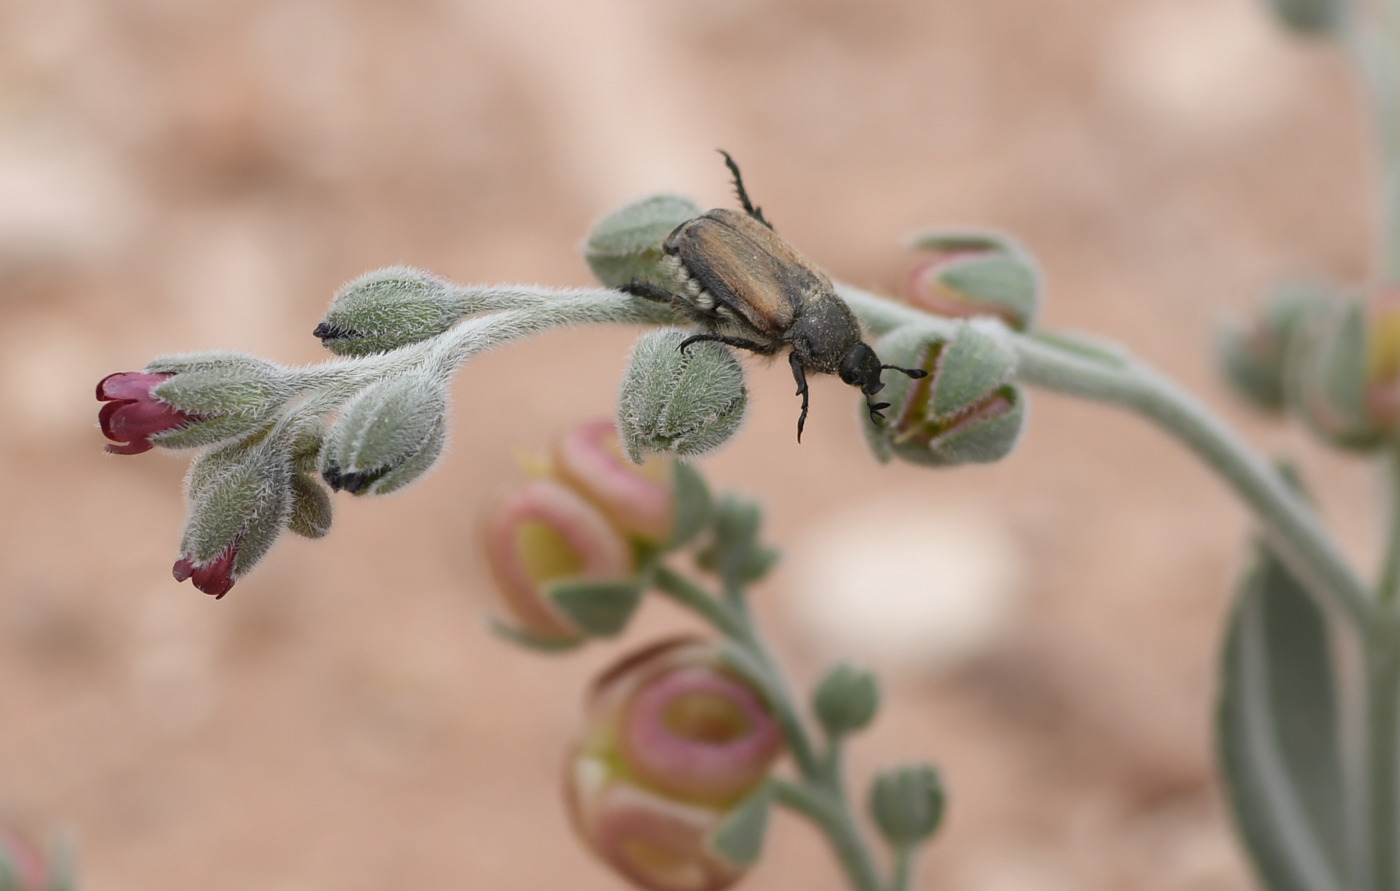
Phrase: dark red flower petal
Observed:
(132, 385)
(214, 577)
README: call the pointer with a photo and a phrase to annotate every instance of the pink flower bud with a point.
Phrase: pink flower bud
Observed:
(132, 415)
(543, 534)
(214, 577)
(673, 742)
(638, 499)
(25, 865)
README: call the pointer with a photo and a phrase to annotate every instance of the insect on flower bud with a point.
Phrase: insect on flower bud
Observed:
(687, 401)
(972, 273)
(967, 410)
(389, 308)
(1336, 373)
(541, 538)
(240, 499)
(846, 700)
(1313, 17)
(625, 245)
(189, 401)
(387, 436)
(673, 744)
(907, 804)
(1253, 354)
(638, 499)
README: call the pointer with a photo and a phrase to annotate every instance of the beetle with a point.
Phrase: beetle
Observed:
(750, 289)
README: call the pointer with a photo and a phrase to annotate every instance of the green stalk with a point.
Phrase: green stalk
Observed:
(1375, 49)
(1389, 581)
(834, 819)
(1118, 379)
(1383, 754)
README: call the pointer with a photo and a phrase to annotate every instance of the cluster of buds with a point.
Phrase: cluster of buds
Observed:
(1332, 361)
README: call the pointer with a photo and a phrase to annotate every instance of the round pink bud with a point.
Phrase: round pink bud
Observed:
(639, 499)
(678, 722)
(657, 843)
(543, 534)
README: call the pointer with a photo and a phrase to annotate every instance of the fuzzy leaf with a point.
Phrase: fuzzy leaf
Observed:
(692, 500)
(600, 608)
(739, 839)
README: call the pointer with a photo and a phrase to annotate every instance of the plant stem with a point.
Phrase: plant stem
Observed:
(697, 600)
(1288, 521)
(1389, 581)
(1383, 753)
(834, 819)
(903, 868)
(1375, 48)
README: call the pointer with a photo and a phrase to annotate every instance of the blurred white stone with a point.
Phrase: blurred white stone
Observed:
(904, 587)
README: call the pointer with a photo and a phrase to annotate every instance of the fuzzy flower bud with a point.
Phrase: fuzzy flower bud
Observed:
(189, 401)
(638, 499)
(687, 401)
(1310, 16)
(967, 410)
(389, 308)
(240, 500)
(543, 539)
(975, 273)
(625, 245)
(907, 804)
(846, 700)
(673, 743)
(1253, 354)
(1336, 376)
(387, 436)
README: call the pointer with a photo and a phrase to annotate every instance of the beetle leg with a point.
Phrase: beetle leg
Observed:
(648, 291)
(799, 374)
(876, 417)
(739, 342)
(755, 212)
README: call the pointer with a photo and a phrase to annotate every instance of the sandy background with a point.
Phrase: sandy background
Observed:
(187, 174)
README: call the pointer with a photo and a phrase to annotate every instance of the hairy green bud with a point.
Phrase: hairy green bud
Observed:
(1327, 378)
(226, 395)
(967, 410)
(973, 273)
(625, 245)
(687, 401)
(906, 804)
(1253, 354)
(387, 309)
(311, 508)
(846, 700)
(387, 436)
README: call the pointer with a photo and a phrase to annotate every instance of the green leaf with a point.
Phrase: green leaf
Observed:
(734, 553)
(532, 641)
(1278, 734)
(739, 839)
(599, 608)
(692, 499)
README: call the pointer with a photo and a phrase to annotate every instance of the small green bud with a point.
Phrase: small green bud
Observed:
(227, 395)
(311, 508)
(907, 804)
(683, 401)
(1313, 17)
(967, 410)
(846, 700)
(240, 500)
(975, 273)
(1252, 354)
(388, 435)
(1327, 380)
(389, 308)
(625, 245)
(735, 553)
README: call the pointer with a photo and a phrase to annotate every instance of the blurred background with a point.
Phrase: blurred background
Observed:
(189, 174)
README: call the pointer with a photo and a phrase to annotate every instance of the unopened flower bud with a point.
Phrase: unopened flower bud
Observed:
(1328, 379)
(311, 508)
(846, 700)
(1383, 358)
(975, 273)
(907, 804)
(967, 410)
(542, 538)
(387, 436)
(638, 498)
(389, 308)
(240, 500)
(625, 245)
(687, 401)
(674, 743)
(189, 401)
(1253, 354)
(1310, 16)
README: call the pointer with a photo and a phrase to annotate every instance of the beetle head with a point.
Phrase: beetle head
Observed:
(862, 368)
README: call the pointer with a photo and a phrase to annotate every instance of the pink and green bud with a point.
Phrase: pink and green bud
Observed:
(23, 867)
(1254, 354)
(674, 742)
(1341, 373)
(638, 498)
(972, 273)
(545, 537)
(131, 414)
(1383, 358)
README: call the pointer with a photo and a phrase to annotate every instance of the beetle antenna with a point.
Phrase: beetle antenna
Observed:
(755, 212)
(915, 373)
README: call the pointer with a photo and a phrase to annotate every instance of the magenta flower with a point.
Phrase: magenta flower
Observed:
(215, 577)
(133, 414)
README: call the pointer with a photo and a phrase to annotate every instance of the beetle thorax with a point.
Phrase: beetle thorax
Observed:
(824, 333)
